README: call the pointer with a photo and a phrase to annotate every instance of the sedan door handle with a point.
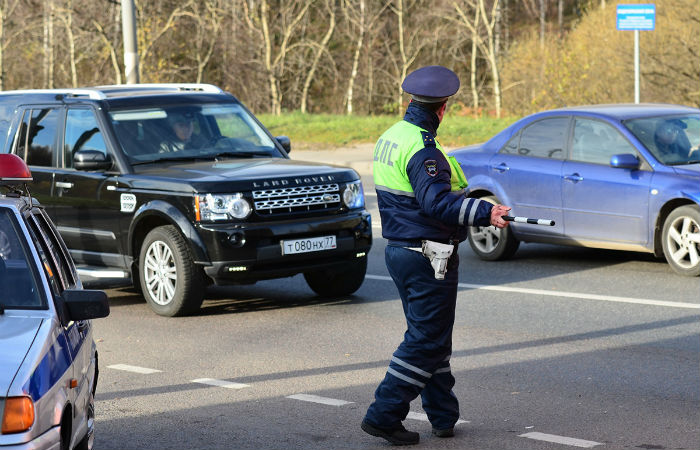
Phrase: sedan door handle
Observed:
(64, 184)
(502, 167)
(573, 177)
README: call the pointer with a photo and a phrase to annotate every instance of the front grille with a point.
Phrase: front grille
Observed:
(296, 199)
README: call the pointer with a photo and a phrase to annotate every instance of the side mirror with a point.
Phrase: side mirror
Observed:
(83, 304)
(624, 161)
(91, 160)
(284, 142)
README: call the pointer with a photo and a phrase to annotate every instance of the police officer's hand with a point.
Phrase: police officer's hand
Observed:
(496, 212)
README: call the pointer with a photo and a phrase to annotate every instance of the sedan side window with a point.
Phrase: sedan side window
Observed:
(82, 133)
(545, 138)
(596, 142)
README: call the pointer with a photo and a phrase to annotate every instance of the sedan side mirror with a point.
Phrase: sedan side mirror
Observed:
(91, 160)
(285, 142)
(83, 304)
(624, 161)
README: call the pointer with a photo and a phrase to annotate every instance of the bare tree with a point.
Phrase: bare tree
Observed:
(289, 14)
(65, 15)
(112, 51)
(151, 28)
(7, 7)
(487, 44)
(356, 13)
(410, 45)
(207, 25)
(320, 48)
(48, 44)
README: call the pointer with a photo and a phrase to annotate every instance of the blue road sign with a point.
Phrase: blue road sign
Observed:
(636, 17)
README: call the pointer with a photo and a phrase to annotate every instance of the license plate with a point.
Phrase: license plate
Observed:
(306, 245)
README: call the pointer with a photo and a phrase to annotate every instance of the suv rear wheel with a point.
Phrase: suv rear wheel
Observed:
(170, 281)
(338, 282)
(491, 243)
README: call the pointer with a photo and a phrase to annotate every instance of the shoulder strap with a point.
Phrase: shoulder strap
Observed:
(428, 139)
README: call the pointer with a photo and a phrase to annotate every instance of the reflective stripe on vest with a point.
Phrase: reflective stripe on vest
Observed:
(394, 150)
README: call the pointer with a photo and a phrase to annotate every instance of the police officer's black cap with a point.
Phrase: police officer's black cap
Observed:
(431, 84)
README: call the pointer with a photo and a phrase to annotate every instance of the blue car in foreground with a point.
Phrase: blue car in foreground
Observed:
(624, 177)
(48, 358)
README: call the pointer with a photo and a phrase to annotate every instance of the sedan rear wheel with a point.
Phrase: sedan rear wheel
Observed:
(491, 243)
(681, 240)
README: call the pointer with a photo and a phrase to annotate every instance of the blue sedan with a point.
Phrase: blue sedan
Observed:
(624, 177)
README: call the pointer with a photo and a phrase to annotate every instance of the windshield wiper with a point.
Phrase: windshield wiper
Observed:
(241, 154)
(172, 158)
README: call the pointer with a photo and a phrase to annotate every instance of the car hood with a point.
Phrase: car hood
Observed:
(241, 174)
(692, 170)
(16, 336)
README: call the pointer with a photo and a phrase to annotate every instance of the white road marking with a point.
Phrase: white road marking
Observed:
(560, 439)
(134, 369)
(605, 298)
(424, 417)
(220, 383)
(318, 399)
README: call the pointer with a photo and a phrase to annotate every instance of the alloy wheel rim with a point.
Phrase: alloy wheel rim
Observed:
(160, 273)
(683, 242)
(485, 239)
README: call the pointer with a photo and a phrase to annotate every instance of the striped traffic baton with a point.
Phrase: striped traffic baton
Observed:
(526, 220)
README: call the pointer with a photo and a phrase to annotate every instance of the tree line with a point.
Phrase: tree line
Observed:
(350, 56)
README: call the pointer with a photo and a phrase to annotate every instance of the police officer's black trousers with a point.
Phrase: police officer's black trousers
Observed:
(421, 363)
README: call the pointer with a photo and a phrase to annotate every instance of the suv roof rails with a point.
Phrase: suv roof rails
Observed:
(178, 87)
(101, 92)
(83, 92)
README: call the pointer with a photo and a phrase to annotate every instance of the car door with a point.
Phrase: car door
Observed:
(87, 205)
(603, 203)
(75, 336)
(529, 168)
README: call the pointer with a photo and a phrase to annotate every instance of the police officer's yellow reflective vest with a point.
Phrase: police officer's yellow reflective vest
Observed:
(394, 150)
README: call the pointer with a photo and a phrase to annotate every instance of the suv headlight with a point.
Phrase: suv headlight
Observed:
(209, 207)
(353, 196)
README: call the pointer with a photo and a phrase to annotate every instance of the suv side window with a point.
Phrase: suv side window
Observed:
(545, 138)
(36, 139)
(82, 133)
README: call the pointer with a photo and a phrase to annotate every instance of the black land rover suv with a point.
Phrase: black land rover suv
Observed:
(176, 186)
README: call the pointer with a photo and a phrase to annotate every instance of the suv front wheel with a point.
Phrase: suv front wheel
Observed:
(170, 281)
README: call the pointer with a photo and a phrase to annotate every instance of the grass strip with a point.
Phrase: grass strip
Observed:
(318, 131)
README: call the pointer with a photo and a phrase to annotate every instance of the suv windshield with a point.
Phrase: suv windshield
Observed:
(209, 131)
(18, 280)
(673, 140)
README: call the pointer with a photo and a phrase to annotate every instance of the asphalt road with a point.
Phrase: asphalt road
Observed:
(558, 348)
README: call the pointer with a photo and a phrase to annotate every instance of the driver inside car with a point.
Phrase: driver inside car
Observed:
(182, 135)
(671, 141)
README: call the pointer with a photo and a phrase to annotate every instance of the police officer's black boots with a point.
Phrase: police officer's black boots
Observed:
(447, 432)
(397, 436)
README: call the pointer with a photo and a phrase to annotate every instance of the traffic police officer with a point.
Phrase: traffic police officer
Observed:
(422, 207)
